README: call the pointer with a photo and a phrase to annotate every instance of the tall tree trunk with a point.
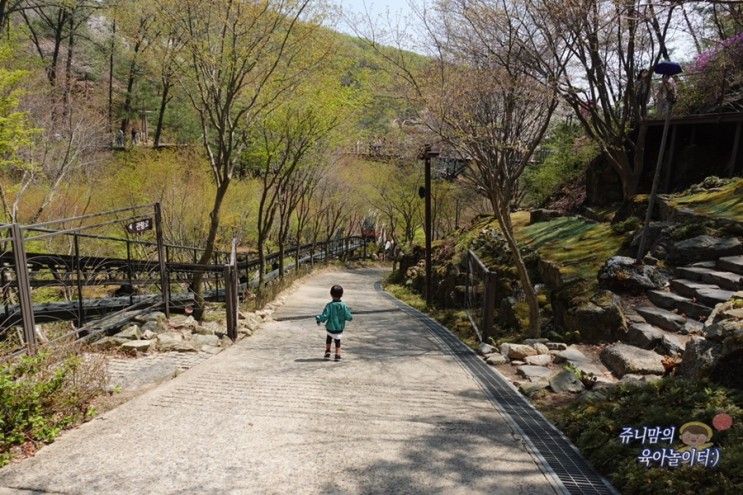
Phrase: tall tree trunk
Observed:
(296, 257)
(620, 162)
(111, 82)
(504, 220)
(59, 29)
(198, 279)
(68, 65)
(129, 90)
(261, 260)
(3, 15)
(281, 258)
(161, 113)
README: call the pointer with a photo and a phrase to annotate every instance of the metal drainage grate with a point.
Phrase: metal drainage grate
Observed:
(557, 456)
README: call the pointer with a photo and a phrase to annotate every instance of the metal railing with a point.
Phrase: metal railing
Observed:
(99, 282)
(480, 296)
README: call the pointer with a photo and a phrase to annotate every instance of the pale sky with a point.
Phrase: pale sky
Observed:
(376, 8)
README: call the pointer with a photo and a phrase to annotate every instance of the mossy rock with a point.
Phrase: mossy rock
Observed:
(596, 318)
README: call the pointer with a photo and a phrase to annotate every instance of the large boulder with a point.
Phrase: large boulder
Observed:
(129, 333)
(517, 351)
(600, 319)
(210, 328)
(496, 359)
(624, 274)
(622, 359)
(539, 360)
(542, 215)
(663, 318)
(530, 388)
(671, 345)
(534, 373)
(699, 358)
(570, 355)
(719, 355)
(205, 340)
(703, 248)
(183, 322)
(656, 234)
(155, 326)
(250, 321)
(108, 343)
(153, 316)
(172, 341)
(566, 381)
(556, 346)
(136, 346)
(644, 335)
(541, 348)
(486, 349)
(574, 357)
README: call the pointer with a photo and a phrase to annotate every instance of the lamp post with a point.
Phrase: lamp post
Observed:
(667, 69)
(426, 156)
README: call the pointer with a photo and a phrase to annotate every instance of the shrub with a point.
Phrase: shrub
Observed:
(714, 79)
(626, 226)
(568, 153)
(594, 425)
(42, 395)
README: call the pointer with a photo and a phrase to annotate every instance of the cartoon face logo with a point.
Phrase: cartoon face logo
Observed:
(696, 435)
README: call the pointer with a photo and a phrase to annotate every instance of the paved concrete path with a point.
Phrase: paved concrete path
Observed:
(269, 415)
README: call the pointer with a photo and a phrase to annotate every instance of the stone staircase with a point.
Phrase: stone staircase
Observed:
(677, 313)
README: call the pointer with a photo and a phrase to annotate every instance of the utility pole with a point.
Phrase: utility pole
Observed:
(667, 69)
(426, 156)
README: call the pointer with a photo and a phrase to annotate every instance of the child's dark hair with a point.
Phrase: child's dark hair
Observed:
(336, 291)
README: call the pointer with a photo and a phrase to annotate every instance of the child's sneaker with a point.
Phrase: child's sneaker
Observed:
(337, 357)
(327, 355)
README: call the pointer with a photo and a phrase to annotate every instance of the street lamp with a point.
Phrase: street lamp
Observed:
(426, 156)
(667, 69)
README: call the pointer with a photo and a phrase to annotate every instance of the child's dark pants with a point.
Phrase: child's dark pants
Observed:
(329, 339)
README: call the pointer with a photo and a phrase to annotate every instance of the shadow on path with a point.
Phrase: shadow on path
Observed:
(450, 458)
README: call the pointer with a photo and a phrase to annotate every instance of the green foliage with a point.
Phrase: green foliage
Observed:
(713, 79)
(626, 226)
(594, 425)
(41, 395)
(16, 132)
(568, 153)
(689, 230)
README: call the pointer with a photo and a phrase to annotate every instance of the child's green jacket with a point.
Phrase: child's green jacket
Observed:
(336, 314)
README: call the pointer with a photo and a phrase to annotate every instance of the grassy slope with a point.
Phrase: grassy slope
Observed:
(725, 203)
(578, 246)
(454, 320)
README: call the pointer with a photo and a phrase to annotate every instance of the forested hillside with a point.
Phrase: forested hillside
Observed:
(112, 104)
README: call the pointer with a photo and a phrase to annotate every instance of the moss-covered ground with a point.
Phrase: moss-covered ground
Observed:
(578, 246)
(725, 202)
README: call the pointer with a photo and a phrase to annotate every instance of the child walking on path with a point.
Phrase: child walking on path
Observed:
(335, 314)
